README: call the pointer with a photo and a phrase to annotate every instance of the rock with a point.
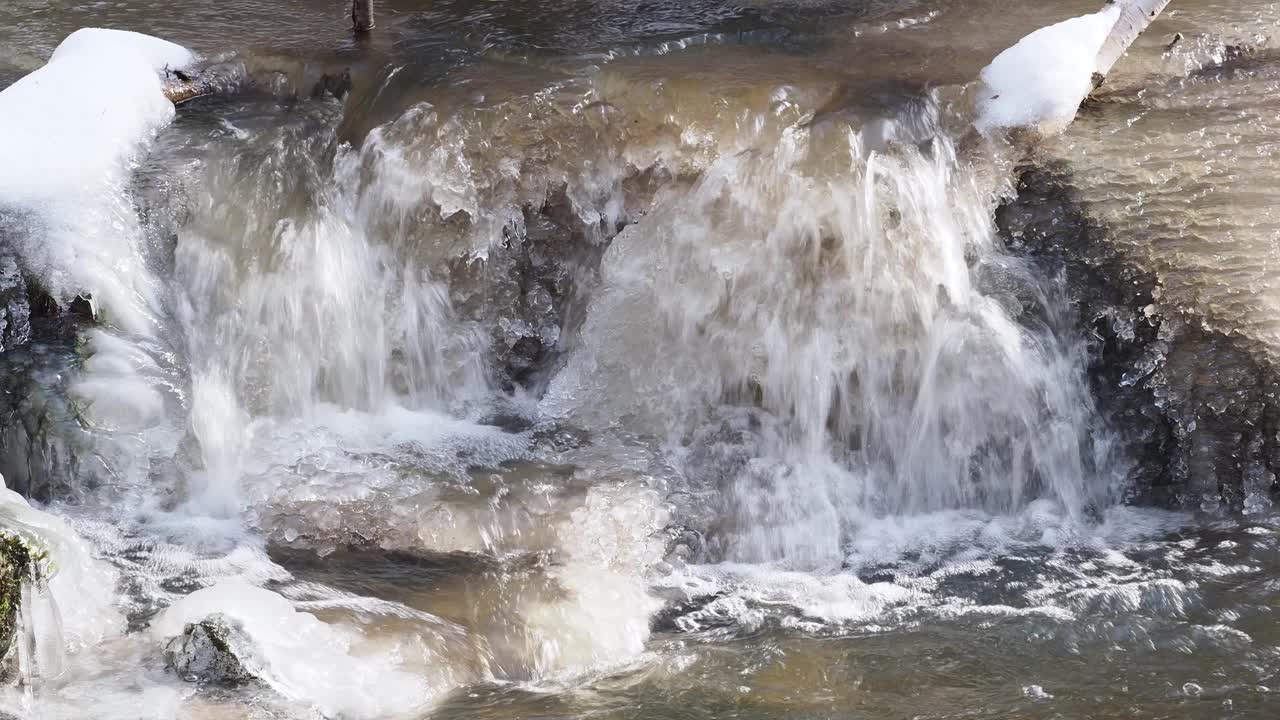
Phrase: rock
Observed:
(83, 307)
(532, 289)
(15, 566)
(209, 651)
(1197, 411)
(337, 84)
(15, 312)
(46, 452)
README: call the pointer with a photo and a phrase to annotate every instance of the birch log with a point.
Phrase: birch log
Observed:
(1135, 16)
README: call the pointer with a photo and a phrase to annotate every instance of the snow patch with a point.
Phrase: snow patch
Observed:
(1040, 82)
(300, 656)
(68, 134)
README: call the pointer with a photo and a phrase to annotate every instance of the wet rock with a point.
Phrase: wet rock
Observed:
(42, 303)
(46, 452)
(532, 291)
(15, 311)
(1197, 410)
(83, 307)
(15, 567)
(337, 84)
(41, 439)
(209, 652)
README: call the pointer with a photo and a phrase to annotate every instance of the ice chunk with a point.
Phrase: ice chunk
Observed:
(1040, 82)
(74, 609)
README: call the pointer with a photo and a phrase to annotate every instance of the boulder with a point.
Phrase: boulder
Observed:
(210, 651)
(15, 567)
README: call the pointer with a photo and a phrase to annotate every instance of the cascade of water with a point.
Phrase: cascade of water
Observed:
(845, 319)
(312, 310)
(814, 319)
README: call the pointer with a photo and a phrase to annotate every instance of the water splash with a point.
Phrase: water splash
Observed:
(838, 301)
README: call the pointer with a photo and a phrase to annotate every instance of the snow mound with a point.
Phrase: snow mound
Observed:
(74, 120)
(300, 656)
(1040, 82)
(69, 132)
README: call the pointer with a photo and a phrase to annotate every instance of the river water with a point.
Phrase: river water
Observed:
(595, 358)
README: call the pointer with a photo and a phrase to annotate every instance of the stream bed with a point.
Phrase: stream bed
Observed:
(667, 359)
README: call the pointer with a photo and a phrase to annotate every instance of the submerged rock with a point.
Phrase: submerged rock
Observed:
(206, 652)
(1197, 408)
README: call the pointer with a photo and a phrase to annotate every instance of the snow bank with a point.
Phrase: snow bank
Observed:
(68, 133)
(299, 656)
(1041, 81)
(71, 123)
(95, 42)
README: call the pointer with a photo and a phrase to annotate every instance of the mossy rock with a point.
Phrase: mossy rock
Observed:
(15, 567)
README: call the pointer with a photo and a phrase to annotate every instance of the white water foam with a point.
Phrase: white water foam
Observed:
(117, 387)
(919, 556)
(808, 326)
(601, 619)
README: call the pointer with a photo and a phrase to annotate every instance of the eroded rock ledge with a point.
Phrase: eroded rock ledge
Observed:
(1198, 410)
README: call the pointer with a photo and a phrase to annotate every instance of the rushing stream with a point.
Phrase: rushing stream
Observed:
(671, 359)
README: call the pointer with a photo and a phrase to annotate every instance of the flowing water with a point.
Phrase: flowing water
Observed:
(657, 360)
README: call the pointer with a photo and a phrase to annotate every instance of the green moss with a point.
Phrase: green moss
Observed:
(16, 564)
(21, 560)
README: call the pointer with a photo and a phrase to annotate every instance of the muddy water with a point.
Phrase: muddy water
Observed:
(674, 360)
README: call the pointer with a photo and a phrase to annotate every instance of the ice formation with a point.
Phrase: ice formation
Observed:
(73, 607)
(300, 656)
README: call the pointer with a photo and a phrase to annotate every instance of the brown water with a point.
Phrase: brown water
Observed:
(671, 360)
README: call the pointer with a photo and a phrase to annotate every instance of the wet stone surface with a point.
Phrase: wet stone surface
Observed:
(15, 312)
(1198, 408)
(209, 652)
